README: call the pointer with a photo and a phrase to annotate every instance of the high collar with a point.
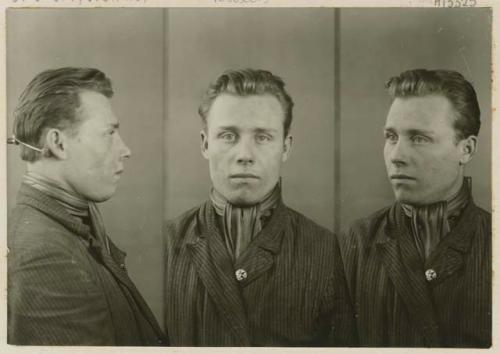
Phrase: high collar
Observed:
(49, 206)
(207, 226)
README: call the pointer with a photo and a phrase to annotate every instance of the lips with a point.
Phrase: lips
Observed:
(399, 176)
(244, 175)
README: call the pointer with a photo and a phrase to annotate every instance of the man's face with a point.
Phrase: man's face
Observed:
(244, 145)
(96, 152)
(421, 154)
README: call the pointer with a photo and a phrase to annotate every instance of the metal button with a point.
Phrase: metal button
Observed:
(241, 274)
(122, 265)
(430, 274)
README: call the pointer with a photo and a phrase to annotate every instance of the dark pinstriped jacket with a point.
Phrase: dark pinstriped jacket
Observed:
(294, 294)
(395, 303)
(62, 290)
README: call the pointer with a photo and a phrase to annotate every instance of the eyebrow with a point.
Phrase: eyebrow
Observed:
(409, 131)
(256, 130)
(231, 128)
(265, 130)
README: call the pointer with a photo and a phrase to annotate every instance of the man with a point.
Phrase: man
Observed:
(243, 269)
(67, 282)
(419, 271)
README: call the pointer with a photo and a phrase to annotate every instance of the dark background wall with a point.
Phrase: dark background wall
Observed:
(162, 60)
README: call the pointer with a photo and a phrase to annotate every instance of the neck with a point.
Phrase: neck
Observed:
(51, 170)
(455, 189)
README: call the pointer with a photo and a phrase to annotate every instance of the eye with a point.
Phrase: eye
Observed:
(420, 139)
(263, 138)
(228, 137)
(390, 137)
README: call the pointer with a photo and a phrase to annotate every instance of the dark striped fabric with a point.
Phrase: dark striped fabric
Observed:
(294, 293)
(63, 289)
(396, 304)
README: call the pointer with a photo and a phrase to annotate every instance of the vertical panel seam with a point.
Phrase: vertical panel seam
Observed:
(337, 122)
(164, 161)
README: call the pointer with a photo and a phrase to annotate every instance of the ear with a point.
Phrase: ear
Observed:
(468, 148)
(287, 147)
(204, 143)
(55, 143)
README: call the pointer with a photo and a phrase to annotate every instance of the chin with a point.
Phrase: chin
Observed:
(406, 198)
(242, 201)
(100, 197)
(413, 200)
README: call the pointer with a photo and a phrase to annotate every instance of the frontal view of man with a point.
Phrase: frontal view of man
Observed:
(243, 269)
(67, 282)
(419, 271)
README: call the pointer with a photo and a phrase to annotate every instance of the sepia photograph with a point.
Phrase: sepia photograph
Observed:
(259, 175)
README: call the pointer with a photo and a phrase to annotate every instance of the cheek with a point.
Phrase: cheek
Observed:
(440, 167)
(217, 164)
(271, 160)
(95, 163)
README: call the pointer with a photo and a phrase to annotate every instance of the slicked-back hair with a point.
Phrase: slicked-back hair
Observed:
(50, 101)
(448, 83)
(247, 82)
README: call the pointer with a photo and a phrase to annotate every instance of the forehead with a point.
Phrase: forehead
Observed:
(432, 112)
(95, 109)
(246, 111)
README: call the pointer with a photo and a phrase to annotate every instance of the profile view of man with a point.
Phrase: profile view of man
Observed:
(67, 282)
(242, 269)
(419, 271)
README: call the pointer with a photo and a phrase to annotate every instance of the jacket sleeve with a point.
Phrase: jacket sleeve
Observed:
(54, 299)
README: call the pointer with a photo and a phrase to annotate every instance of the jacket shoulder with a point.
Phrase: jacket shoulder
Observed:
(307, 226)
(176, 228)
(484, 216)
(28, 226)
(364, 229)
(311, 238)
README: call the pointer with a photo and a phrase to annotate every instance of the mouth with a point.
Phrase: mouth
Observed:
(243, 176)
(119, 172)
(399, 177)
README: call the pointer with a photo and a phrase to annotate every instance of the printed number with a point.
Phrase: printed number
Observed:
(455, 3)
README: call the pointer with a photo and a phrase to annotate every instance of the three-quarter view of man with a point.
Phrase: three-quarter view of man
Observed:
(419, 271)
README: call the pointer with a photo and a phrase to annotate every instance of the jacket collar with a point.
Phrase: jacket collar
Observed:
(450, 254)
(47, 205)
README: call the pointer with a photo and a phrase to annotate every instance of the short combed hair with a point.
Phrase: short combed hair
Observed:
(247, 82)
(450, 84)
(50, 101)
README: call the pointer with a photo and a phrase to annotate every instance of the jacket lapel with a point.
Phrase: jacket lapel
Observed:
(115, 263)
(258, 258)
(450, 254)
(399, 255)
(216, 271)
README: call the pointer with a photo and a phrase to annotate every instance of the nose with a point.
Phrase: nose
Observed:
(245, 152)
(125, 152)
(398, 153)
